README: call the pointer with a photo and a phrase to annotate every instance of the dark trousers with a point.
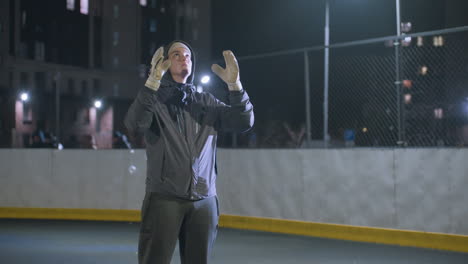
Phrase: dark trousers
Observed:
(164, 220)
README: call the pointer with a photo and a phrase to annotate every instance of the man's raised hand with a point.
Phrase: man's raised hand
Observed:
(230, 75)
(159, 66)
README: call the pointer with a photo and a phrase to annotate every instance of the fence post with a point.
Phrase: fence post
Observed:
(398, 87)
(326, 73)
(307, 97)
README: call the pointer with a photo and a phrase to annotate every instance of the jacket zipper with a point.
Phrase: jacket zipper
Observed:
(189, 146)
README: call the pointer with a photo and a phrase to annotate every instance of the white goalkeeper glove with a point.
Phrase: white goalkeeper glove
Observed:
(159, 67)
(230, 75)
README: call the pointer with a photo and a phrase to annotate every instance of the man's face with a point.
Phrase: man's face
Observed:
(181, 62)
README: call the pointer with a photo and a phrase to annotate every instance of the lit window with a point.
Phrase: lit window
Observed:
(116, 11)
(407, 83)
(407, 98)
(420, 41)
(423, 70)
(84, 7)
(441, 41)
(438, 113)
(71, 5)
(115, 42)
(152, 27)
(438, 41)
(406, 41)
(116, 61)
(406, 26)
(143, 2)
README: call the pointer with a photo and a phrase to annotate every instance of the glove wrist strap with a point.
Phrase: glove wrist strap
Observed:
(153, 84)
(236, 86)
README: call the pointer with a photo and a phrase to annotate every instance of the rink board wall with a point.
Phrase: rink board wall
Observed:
(423, 190)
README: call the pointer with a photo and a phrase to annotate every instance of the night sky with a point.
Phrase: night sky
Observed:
(261, 26)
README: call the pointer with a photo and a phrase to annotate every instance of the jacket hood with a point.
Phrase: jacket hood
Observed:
(168, 76)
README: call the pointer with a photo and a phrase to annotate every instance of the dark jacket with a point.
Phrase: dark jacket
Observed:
(180, 127)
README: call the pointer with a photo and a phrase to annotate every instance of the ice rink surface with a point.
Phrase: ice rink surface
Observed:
(83, 242)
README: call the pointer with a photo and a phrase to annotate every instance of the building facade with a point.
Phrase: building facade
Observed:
(59, 57)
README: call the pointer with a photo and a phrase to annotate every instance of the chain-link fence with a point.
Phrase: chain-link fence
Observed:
(410, 90)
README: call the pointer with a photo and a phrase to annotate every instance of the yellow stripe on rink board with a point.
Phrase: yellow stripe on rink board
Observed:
(70, 214)
(407, 238)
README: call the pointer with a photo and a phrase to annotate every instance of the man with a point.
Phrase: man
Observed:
(180, 128)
